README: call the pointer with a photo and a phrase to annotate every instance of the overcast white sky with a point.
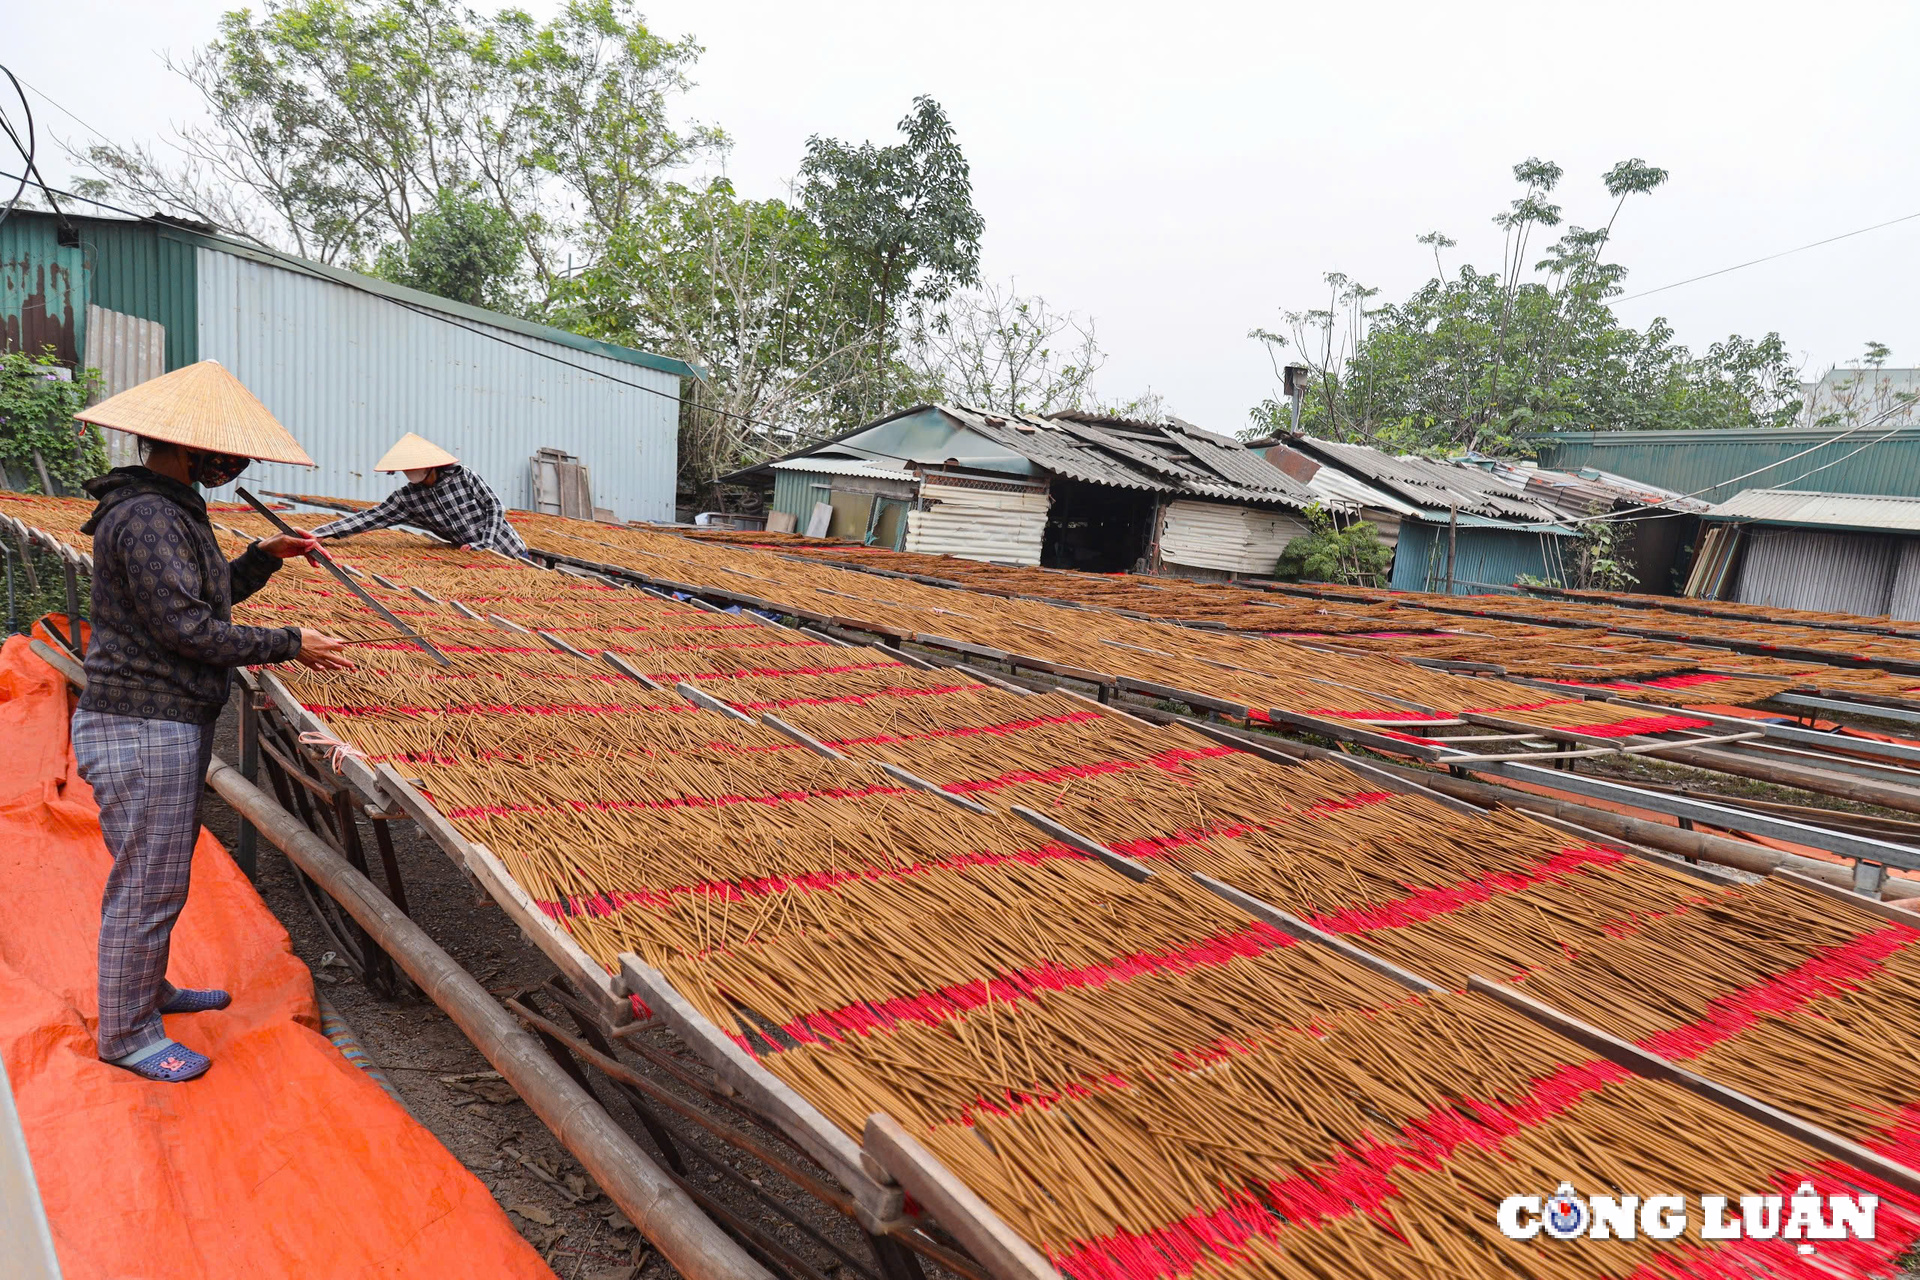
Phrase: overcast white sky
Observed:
(1183, 173)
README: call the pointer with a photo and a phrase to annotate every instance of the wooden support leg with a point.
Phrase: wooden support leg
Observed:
(897, 1262)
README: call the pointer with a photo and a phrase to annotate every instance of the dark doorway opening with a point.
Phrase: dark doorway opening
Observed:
(1096, 527)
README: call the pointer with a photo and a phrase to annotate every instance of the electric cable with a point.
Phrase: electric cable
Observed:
(26, 151)
(1754, 262)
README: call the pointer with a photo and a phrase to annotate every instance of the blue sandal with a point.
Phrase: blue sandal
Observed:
(189, 1000)
(168, 1062)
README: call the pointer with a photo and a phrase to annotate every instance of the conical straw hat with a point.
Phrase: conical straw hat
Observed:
(414, 453)
(202, 407)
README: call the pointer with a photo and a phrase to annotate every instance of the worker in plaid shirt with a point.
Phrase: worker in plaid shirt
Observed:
(440, 496)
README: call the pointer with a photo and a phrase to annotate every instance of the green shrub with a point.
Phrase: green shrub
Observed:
(1353, 556)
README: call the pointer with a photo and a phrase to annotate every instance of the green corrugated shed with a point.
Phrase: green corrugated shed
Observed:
(1483, 558)
(795, 492)
(1715, 465)
(139, 268)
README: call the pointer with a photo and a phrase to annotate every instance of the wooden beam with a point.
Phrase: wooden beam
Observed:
(954, 1205)
(304, 721)
(603, 990)
(707, 701)
(1128, 867)
(1858, 901)
(1712, 875)
(627, 669)
(562, 646)
(805, 739)
(879, 1206)
(919, 783)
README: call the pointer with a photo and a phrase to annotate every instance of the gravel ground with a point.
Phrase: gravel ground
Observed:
(480, 1120)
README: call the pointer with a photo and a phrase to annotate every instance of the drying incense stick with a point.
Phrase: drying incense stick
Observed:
(326, 562)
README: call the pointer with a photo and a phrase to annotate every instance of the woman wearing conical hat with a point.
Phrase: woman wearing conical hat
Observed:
(440, 496)
(158, 669)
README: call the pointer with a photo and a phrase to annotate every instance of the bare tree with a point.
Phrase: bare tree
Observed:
(993, 348)
(332, 126)
(1862, 392)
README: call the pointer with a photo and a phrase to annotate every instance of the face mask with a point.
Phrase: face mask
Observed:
(211, 470)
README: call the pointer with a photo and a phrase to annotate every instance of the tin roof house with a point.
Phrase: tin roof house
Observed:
(1070, 491)
(1483, 524)
(348, 362)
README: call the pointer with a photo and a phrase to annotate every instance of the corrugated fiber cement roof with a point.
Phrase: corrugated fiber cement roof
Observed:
(1832, 510)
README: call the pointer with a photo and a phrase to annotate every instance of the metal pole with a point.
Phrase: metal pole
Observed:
(1453, 533)
(13, 613)
(663, 1212)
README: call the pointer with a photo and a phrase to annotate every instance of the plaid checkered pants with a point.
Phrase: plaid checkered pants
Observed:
(147, 776)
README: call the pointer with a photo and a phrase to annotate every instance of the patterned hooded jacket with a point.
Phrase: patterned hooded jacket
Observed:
(163, 595)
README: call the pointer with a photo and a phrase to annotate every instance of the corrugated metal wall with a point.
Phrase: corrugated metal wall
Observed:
(1231, 539)
(979, 523)
(1483, 558)
(137, 269)
(1903, 604)
(1811, 569)
(795, 492)
(1705, 462)
(127, 351)
(143, 270)
(349, 372)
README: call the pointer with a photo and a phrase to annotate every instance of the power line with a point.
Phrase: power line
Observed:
(63, 111)
(26, 152)
(1845, 235)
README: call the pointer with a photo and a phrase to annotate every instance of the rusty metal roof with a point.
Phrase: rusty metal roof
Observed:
(1173, 458)
(1436, 486)
(1187, 459)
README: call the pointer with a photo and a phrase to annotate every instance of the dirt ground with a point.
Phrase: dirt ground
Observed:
(480, 1120)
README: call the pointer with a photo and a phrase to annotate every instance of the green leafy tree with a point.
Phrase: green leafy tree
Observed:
(750, 291)
(1476, 359)
(903, 220)
(334, 127)
(37, 432)
(461, 248)
(1352, 555)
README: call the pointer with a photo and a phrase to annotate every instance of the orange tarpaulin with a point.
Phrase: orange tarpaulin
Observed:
(282, 1160)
